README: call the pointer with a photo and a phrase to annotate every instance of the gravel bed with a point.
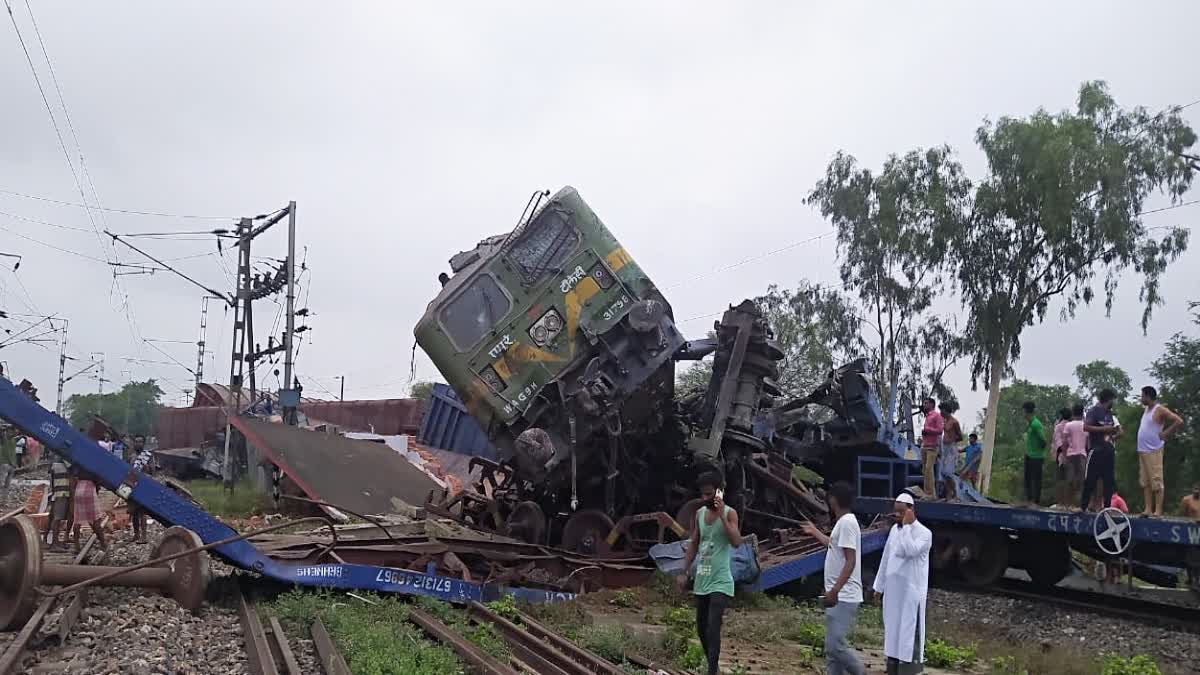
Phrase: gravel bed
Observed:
(1045, 624)
(133, 632)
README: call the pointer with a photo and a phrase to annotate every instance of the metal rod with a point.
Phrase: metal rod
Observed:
(59, 574)
(175, 556)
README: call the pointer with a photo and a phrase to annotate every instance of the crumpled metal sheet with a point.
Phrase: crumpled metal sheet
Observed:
(361, 476)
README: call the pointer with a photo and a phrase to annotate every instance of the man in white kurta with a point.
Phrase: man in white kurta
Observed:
(903, 580)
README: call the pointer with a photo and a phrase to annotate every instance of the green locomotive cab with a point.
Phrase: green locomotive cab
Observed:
(553, 327)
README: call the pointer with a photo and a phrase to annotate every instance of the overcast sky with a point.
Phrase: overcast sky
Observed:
(407, 133)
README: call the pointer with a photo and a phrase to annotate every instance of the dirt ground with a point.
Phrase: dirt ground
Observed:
(778, 636)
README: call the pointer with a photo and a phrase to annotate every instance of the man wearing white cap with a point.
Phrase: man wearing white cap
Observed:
(903, 581)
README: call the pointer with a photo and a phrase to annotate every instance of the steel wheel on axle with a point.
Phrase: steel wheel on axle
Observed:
(983, 558)
(189, 574)
(587, 532)
(527, 522)
(20, 569)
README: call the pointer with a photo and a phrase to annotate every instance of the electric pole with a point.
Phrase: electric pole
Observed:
(342, 391)
(249, 288)
(237, 361)
(62, 367)
(200, 344)
(289, 407)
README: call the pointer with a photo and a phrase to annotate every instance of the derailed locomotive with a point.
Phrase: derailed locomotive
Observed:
(564, 351)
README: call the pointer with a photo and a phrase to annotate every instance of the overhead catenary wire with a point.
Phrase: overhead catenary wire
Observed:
(160, 214)
(747, 261)
(126, 306)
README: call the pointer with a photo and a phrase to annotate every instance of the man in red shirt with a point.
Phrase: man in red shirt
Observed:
(931, 440)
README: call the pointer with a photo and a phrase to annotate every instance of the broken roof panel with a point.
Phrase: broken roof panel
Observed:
(360, 476)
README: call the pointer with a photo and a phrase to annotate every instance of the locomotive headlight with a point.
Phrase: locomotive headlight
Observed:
(492, 379)
(601, 276)
(546, 328)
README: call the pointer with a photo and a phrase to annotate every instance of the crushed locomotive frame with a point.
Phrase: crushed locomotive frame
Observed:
(564, 351)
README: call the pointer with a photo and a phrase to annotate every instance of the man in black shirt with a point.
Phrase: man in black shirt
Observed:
(1102, 431)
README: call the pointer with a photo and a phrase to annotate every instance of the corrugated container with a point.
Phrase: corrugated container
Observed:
(449, 426)
(386, 417)
(188, 427)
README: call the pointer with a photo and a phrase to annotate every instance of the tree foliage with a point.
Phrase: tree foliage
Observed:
(1098, 375)
(421, 390)
(817, 329)
(1059, 207)
(132, 410)
(892, 229)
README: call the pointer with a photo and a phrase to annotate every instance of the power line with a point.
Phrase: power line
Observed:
(751, 259)
(56, 248)
(43, 222)
(133, 212)
(125, 304)
(1173, 206)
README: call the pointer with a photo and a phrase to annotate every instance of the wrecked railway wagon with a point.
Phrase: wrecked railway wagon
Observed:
(554, 337)
(563, 349)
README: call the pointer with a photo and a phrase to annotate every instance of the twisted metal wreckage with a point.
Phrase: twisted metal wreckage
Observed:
(615, 452)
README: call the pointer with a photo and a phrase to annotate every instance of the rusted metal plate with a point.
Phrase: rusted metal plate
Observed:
(359, 475)
(388, 417)
(188, 427)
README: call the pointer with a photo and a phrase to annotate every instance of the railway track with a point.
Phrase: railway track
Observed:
(72, 604)
(536, 650)
(1153, 613)
(270, 652)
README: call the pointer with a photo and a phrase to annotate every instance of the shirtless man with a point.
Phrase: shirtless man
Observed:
(1190, 506)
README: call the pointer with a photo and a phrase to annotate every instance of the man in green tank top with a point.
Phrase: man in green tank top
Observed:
(714, 533)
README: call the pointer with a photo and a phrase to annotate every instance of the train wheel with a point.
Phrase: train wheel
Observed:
(686, 516)
(1051, 564)
(587, 532)
(984, 561)
(527, 523)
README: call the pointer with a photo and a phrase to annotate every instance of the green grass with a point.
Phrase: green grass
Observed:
(243, 502)
(1138, 665)
(941, 654)
(375, 638)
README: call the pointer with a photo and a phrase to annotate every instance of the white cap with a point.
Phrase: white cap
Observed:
(904, 498)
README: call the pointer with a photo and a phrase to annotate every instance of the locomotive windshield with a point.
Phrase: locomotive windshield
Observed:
(544, 244)
(474, 311)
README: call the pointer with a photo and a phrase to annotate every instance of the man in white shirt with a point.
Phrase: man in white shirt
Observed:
(843, 581)
(903, 581)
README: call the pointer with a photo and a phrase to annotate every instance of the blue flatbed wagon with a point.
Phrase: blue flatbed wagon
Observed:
(981, 540)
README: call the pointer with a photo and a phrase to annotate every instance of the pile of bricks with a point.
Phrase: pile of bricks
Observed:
(37, 507)
(434, 467)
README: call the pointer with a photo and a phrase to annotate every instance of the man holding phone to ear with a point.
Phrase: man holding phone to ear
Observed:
(843, 580)
(714, 534)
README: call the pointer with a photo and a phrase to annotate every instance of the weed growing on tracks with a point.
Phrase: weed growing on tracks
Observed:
(625, 598)
(376, 638)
